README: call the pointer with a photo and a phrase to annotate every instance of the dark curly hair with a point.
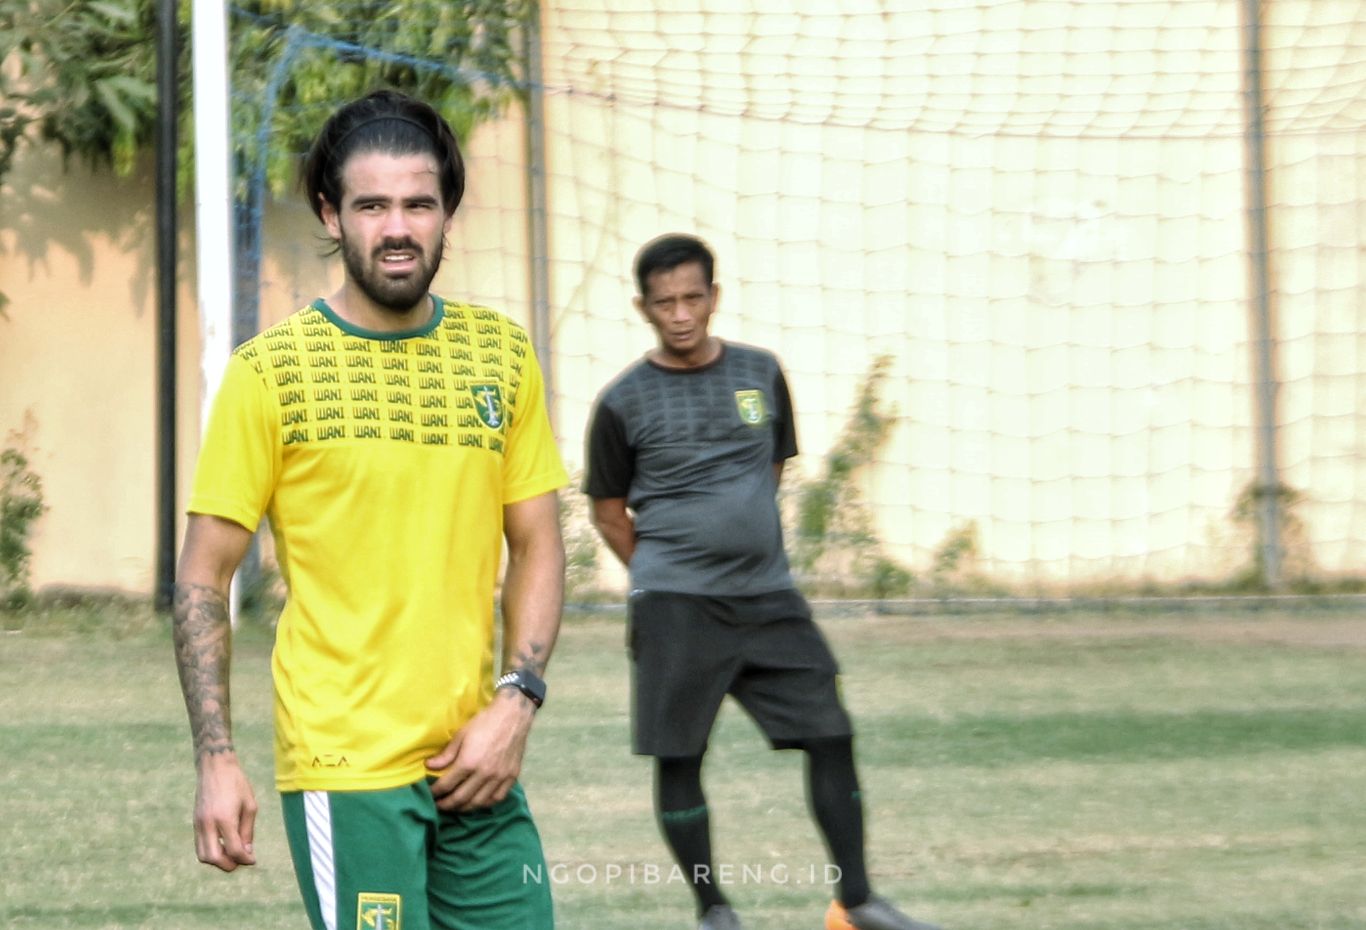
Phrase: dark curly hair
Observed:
(382, 121)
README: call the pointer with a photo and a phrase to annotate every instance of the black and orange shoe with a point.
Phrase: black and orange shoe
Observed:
(874, 914)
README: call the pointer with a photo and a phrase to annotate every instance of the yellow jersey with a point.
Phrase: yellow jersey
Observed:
(383, 461)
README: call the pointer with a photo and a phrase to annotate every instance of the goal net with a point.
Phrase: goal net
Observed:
(1036, 212)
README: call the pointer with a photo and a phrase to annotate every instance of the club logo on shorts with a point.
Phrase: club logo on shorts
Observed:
(488, 403)
(753, 409)
(379, 911)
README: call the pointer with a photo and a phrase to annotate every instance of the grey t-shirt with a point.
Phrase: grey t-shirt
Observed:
(692, 451)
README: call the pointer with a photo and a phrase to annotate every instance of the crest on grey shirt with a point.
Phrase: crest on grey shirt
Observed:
(753, 409)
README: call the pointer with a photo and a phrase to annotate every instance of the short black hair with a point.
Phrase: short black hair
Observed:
(382, 121)
(667, 252)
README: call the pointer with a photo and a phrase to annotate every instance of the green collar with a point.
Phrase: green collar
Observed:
(438, 313)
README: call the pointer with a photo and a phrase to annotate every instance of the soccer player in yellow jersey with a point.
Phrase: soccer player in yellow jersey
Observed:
(395, 440)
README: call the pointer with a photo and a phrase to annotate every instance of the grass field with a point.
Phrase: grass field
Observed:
(1122, 771)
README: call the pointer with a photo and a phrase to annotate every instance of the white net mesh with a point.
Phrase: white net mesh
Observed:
(1036, 210)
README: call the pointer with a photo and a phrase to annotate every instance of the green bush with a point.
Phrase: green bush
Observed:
(21, 503)
(834, 548)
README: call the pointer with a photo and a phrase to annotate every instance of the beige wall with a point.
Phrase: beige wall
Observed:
(77, 355)
(1039, 216)
(77, 363)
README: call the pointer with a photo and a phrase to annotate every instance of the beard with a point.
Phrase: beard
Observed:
(398, 294)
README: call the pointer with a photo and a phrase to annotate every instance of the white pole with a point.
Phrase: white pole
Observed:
(213, 207)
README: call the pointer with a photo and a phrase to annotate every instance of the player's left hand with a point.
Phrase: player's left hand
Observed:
(482, 761)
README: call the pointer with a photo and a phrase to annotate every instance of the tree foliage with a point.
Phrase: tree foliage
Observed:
(293, 61)
(83, 75)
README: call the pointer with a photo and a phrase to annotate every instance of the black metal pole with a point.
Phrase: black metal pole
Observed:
(166, 137)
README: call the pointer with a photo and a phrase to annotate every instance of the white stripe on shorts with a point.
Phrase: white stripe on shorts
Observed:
(318, 816)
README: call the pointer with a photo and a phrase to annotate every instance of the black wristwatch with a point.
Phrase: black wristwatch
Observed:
(524, 681)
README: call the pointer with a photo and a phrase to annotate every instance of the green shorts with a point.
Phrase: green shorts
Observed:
(391, 860)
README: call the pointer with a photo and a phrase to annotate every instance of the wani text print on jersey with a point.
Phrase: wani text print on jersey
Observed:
(384, 461)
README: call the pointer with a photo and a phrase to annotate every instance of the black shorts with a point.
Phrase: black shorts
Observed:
(689, 651)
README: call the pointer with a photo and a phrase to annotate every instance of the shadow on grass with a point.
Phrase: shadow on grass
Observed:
(991, 741)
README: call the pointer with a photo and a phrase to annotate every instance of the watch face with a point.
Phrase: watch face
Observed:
(533, 685)
(525, 682)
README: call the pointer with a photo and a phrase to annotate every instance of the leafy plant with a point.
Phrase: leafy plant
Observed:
(888, 579)
(21, 503)
(834, 545)
(294, 61)
(80, 73)
(828, 506)
(957, 550)
(955, 568)
(580, 545)
(1296, 552)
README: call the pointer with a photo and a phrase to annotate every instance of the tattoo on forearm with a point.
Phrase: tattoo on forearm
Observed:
(533, 659)
(203, 652)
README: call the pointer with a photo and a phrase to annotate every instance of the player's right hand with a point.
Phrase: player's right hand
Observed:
(224, 813)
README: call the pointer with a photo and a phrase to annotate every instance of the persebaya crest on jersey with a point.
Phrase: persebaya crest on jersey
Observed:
(752, 406)
(379, 912)
(488, 403)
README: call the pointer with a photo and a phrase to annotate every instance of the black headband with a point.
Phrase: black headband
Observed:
(426, 131)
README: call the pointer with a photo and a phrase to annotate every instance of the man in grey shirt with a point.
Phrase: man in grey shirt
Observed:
(685, 451)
